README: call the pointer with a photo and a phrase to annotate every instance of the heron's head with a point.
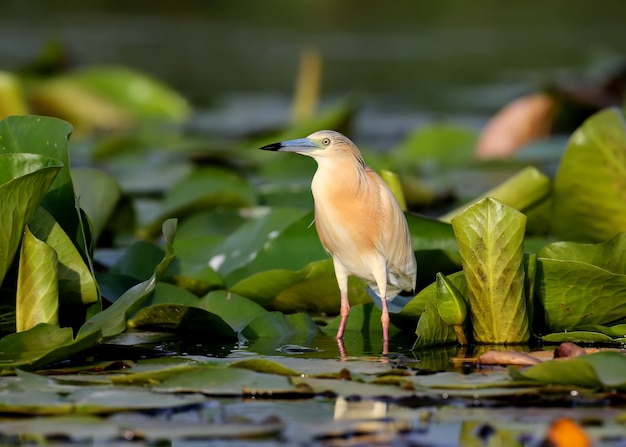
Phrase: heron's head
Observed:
(321, 144)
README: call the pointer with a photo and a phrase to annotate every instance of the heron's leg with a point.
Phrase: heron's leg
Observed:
(342, 281)
(380, 275)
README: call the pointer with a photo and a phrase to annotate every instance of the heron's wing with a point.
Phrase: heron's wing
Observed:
(395, 240)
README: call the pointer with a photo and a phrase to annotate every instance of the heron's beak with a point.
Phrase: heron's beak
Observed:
(300, 146)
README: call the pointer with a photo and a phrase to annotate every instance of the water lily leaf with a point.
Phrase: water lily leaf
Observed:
(590, 184)
(74, 427)
(575, 286)
(223, 381)
(48, 137)
(490, 236)
(349, 388)
(77, 285)
(581, 337)
(24, 180)
(265, 366)
(204, 188)
(109, 399)
(98, 194)
(234, 309)
(599, 370)
(37, 299)
(274, 240)
(112, 320)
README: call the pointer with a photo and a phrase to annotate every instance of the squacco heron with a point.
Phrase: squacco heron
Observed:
(358, 220)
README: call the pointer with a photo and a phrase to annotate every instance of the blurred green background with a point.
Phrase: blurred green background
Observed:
(402, 57)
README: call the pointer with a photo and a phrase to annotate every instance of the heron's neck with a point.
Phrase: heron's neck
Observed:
(339, 175)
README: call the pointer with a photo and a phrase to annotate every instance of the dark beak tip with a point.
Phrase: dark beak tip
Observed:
(271, 147)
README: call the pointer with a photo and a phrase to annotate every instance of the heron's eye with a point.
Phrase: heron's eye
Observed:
(326, 141)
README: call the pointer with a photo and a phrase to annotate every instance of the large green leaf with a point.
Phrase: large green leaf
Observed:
(490, 236)
(582, 284)
(238, 255)
(76, 282)
(37, 299)
(48, 137)
(590, 185)
(24, 180)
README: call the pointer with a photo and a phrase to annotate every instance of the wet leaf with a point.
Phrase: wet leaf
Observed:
(265, 366)
(108, 399)
(222, 381)
(490, 236)
(600, 370)
(590, 185)
(37, 299)
(24, 180)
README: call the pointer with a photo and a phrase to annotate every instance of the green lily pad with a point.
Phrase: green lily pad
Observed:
(223, 381)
